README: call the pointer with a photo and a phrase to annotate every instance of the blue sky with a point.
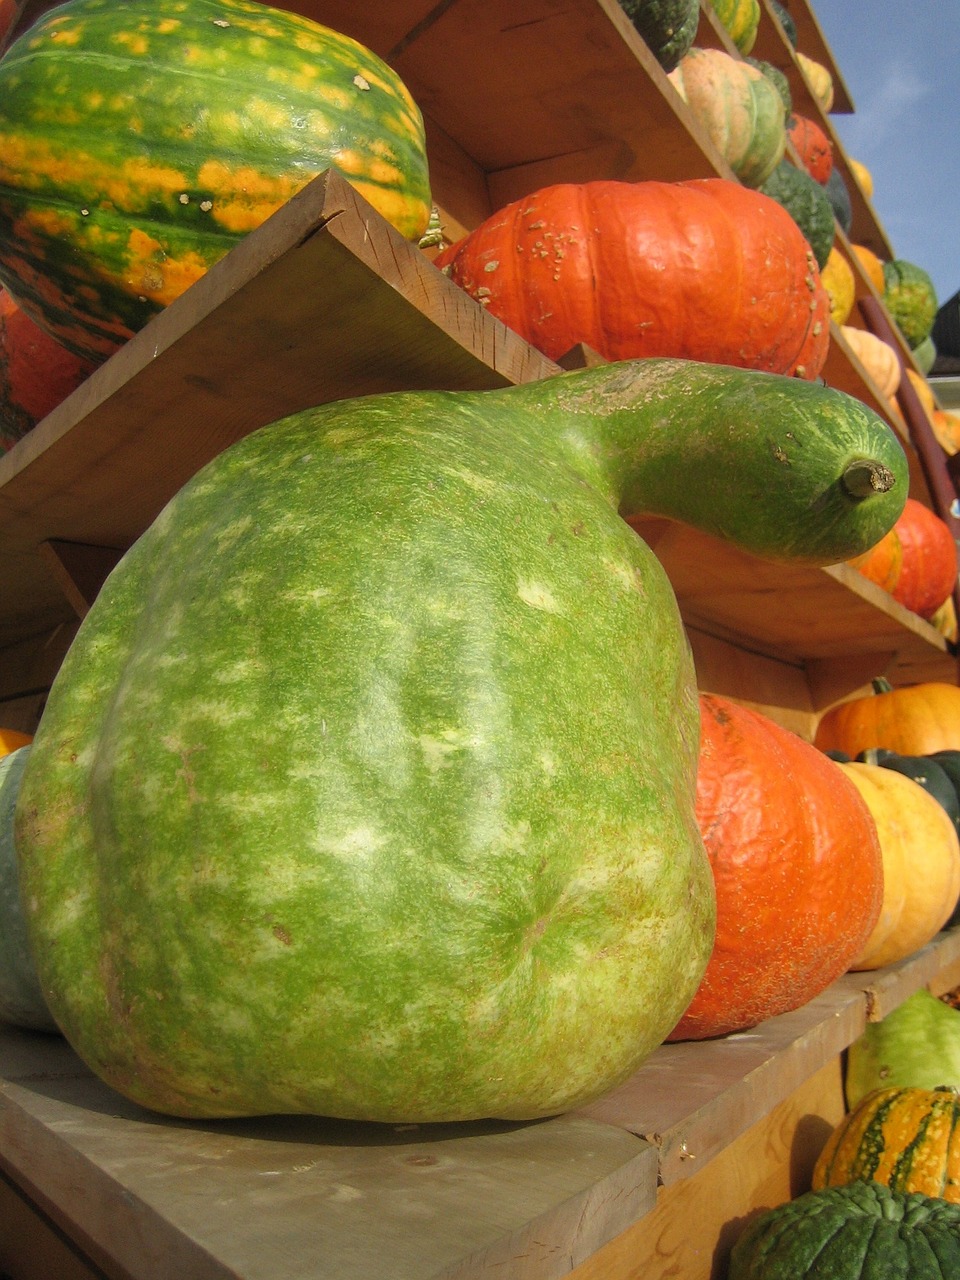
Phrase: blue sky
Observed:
(901, 64)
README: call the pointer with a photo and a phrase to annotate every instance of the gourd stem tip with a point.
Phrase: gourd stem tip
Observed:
(863, 478)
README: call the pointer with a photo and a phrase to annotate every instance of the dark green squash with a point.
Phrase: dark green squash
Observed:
(838, 193)
(807, 203)
(925, 770)
(861, 1231)
(780, 81)
(140, 142)
(367, 787)
(668, 27)
(786, 21)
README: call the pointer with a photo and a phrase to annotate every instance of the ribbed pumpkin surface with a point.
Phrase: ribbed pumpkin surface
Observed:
(797, 868)
(702, 270)
(139, 142)
(906, 1139)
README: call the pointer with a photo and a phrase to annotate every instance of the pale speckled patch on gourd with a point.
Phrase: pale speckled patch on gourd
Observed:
(387, 809)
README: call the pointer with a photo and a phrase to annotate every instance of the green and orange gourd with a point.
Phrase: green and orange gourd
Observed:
(139, 143)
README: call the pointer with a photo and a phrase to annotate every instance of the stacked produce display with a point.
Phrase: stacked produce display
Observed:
(380, 781)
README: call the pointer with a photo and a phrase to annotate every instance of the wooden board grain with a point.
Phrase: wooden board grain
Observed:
(692, 1099)
(690, 1233)
(790, 612)
(301, 1198)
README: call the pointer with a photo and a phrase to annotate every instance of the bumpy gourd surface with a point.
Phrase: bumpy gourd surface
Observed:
(138, 143)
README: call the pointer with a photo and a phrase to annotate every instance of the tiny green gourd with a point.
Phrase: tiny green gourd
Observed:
(916, 1046)
(367, 786)
(140, 142)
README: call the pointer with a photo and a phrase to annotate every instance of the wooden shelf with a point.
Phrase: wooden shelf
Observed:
(792, 613)
(303, 1198)
(324, 301)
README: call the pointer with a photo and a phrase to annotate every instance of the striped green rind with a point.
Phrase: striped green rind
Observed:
(861, 1231)
(367, 786)
(139, 142)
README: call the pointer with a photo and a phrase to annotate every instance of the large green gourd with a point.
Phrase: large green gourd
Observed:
(862, 1231)
(367, 787)
(140, 141)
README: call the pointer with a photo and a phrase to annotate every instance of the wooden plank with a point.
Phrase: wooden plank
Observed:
(690, 1233)
(31, 1247)
(790, 612)
(692, 1099)
(302, 1198)
(323, 301)
(887, 988)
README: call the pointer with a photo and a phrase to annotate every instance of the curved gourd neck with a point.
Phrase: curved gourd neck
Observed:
(783, 467)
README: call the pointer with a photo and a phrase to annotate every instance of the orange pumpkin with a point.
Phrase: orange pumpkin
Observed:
(921, 864)
(882, 563)
(797, 868)
(11, 739)
(916, 560)
(871, 264)
(812, 146)
(928, 572)
(701, 270)
(914, 720)
(36, 373)
(906, 1138)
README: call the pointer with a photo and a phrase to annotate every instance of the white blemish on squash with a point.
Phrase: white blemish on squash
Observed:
(538, 596)
(438, 750)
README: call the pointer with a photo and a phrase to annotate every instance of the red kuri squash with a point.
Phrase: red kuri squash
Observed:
(796, 863)
(703, 270)
(916, 560)
(812, 145)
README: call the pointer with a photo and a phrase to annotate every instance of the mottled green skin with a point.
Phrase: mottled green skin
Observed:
(668, 27)
(139, 142)
(910, 297)
(367, 786)
(807, 203)
(862, 1231)
(21, 1000)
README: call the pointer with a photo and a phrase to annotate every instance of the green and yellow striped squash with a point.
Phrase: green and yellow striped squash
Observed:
(906, 1138)
(139, 142)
